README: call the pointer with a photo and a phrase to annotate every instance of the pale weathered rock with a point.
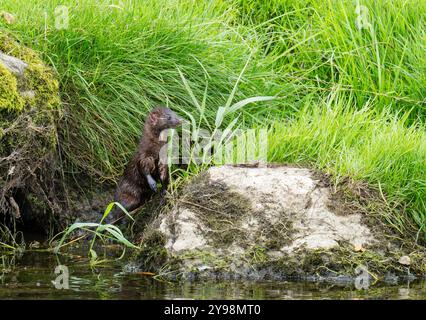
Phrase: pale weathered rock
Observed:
(274, 194)
(8, 17)
(405, 260)
(30, 94)
(14, 65)
(189, 228)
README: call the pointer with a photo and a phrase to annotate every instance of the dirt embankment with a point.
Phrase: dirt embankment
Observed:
(274, 222)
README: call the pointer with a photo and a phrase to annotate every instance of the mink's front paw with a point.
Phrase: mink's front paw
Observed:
(152, 184)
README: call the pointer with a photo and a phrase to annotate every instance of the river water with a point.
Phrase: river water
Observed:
(32, 276)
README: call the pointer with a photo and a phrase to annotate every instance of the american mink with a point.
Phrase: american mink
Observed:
(143, 170)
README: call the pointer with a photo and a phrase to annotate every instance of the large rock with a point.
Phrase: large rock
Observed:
(268, 222)
(283, 205)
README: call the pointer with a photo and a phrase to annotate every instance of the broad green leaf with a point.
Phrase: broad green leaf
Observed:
(220, 114)
(235, 107)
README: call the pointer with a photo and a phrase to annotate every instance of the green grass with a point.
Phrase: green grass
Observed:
(349, 101)
(316, 47)
(115, 64)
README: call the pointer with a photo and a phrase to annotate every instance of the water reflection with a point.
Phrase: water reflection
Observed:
(32, 276)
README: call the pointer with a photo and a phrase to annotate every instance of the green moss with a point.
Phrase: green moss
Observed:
(41, 80)
(10, 46)
(339, 261)
(38, 78)
(207, 258)
(343, 260)
(256, 255)
(10, 99)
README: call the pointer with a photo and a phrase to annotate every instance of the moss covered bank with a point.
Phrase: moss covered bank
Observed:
(29, 111)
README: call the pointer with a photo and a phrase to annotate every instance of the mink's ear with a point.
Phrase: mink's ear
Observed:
(153, 118)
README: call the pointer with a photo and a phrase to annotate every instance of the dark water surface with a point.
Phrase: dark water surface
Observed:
(33, 274)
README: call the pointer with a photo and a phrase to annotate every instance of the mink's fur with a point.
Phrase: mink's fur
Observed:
(144, 169)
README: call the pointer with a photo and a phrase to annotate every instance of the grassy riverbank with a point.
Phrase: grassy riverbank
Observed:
(348, 100)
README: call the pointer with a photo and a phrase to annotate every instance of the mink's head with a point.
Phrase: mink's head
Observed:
(163, 118)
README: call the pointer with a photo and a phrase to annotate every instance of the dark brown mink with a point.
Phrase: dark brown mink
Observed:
(144, 169)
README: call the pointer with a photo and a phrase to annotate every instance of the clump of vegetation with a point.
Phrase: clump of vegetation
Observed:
(12, 245)
(389, 253)
(219, 208)
(153, 256)
(10, 99)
